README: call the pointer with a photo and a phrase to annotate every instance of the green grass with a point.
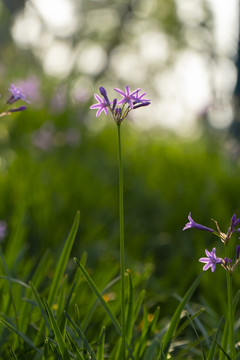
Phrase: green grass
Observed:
(61, 298)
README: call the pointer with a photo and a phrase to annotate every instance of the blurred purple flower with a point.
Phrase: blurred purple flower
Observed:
(31, 86)
(20, 108)
(59, 99)
(16, 94)
(102, 105)
(211, 260)
(43, 137)
(192, 224)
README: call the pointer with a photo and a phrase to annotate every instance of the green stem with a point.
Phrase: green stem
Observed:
(230, 311)
(122, 264)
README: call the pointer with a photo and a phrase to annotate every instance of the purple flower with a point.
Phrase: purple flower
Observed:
(141, 104)
(20, 108)
(102, 105)
(127, 96)
(211, 260)
(139, 98)
(104, 94)
(132, 100)
(192, 224)
(16, 94)
(233, 224)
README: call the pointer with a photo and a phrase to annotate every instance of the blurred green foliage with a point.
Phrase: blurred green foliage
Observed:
(165, 178)
(56, 161)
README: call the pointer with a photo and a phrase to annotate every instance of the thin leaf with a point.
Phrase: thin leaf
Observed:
(103, 302)
(188, 321)
(77, 353)
(224, 342)
(10, 286)
(63, 260)
(138, 304)
(81, 335)
(130, 309)
(45, 350)
(21, 335)
(61, 267)
(176, 316)
(211, 355)
(62, 346)
(39, 302)
(13, 354)
(63, 320)
(99, 296)
(100, 350)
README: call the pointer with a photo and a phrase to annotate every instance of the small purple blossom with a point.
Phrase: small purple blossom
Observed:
(16, 94)
(128, 97)
(102, 105)
(140, 98)
(211, 260)
(192, 224)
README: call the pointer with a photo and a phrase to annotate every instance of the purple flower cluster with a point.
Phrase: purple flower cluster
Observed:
(16, 95)
(212, 260)
(120, 109)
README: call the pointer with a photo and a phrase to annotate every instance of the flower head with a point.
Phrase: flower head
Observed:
(192, 224)
(130, 101)
(211, 260)
(102, 105)
(16, 94)
(233, 225)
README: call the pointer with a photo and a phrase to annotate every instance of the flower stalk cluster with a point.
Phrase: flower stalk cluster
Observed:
(120, 109)
(212, 260)
(16, 96)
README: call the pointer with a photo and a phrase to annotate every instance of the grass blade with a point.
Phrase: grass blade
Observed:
(63, 260)
(62, 346)
(176, 316)
(130, 309)
(21, 335)
(10, 286)
(211, 355)
(13, 354)
(102, 301)
(100, 350)
(39, 302)
(99, 296)
(81, 335)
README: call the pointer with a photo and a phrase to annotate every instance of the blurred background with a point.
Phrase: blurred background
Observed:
(180, 154)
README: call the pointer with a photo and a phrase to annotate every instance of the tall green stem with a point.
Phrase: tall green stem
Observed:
(122, 262)
(230, 311)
